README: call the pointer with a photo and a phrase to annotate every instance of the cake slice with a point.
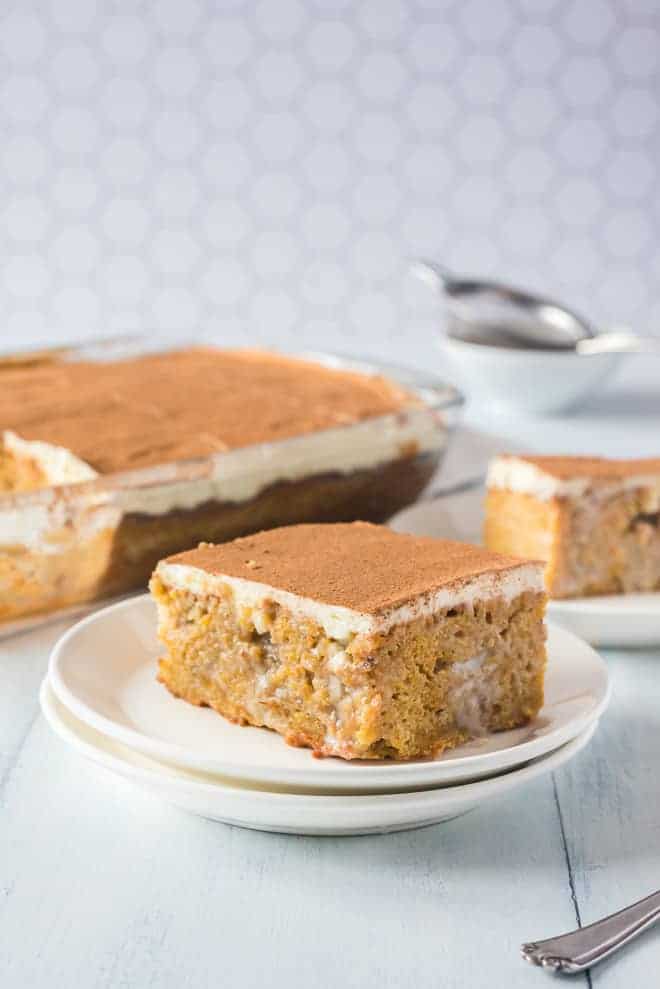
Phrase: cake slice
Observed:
(595, 522)
(354, 640)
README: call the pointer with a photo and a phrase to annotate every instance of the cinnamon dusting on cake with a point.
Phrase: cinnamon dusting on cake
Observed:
(360, 566)
(130, 414)
(591, 468)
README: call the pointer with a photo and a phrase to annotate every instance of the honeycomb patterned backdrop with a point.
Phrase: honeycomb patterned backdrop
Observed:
(263, 170)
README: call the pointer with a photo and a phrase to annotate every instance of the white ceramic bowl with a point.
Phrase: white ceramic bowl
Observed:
(536, 381)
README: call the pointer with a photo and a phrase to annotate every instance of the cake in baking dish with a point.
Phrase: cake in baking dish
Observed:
(107, 466)
(595, 522)
(354, 640)
(66, 421)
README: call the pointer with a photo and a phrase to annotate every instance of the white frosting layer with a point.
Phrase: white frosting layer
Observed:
(241, 474)
(516, 474)
(340, 623)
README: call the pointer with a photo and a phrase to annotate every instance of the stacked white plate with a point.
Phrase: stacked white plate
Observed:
(101, 697)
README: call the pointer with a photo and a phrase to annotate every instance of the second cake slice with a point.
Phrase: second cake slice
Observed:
(354, 640)
(596, 522)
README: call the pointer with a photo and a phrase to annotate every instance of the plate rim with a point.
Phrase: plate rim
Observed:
(404, 775)
(160, 774)
(595, 604)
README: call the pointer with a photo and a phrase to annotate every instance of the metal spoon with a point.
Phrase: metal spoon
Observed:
(495, 314)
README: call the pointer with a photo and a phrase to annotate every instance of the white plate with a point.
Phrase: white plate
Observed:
(624, 620)
(293, 813)
(104, 671)
(609, 620)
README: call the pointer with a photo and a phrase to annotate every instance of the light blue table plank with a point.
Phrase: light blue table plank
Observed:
(611, 807)
(105, 887)
(23, 664)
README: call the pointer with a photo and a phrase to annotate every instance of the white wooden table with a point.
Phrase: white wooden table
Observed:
(101, 886)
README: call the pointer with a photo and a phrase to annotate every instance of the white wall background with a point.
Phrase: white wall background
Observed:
(262, 170)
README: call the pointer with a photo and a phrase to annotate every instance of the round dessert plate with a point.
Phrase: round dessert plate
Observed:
(293, 813)
(104, 671)
(625, 620)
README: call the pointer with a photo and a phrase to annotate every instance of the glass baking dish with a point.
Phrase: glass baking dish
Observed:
(64, 546)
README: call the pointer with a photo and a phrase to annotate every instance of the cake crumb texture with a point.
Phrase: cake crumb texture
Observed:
(415, 691)
(601, 541)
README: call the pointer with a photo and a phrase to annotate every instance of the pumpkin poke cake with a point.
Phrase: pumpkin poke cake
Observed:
(354, 640)
(595, 522)
(107, 466)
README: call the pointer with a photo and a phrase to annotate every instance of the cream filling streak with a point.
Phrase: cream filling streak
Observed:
(341, 623)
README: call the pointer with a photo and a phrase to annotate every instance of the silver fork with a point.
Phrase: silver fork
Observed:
(579, 950)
